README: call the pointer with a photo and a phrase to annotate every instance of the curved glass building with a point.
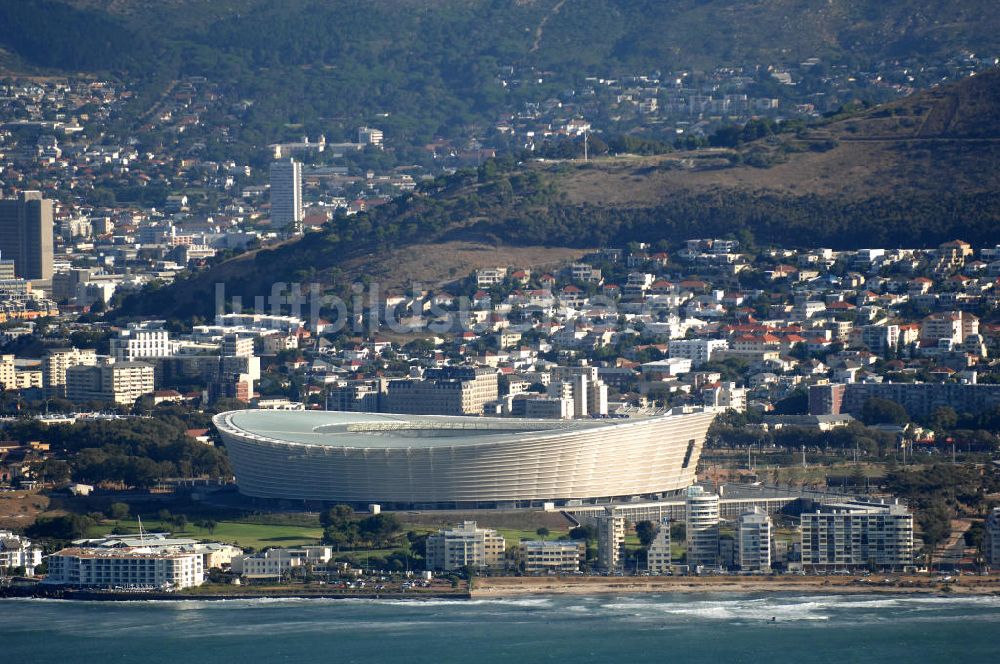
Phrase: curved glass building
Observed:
(448, 462)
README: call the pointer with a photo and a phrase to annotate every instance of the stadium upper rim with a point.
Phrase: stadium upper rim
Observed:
(350, 430)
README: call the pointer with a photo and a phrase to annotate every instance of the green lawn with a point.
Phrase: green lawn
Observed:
(254, 535)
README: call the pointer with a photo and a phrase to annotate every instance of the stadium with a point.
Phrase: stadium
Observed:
(448, 462)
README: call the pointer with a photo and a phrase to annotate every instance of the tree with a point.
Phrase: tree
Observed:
(883, 411)
(336, 515)
(542, 532)
(66, 527)
(943, 418)
(208, 524)
(379, 528)
(118, 511)
(646, 531)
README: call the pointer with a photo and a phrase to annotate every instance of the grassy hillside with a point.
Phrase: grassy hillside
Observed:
(916, 172)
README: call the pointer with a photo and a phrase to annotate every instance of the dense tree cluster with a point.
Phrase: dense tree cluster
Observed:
(137, 452)
(346, 530)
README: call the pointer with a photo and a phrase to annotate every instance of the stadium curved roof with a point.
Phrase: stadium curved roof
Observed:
(383, 431)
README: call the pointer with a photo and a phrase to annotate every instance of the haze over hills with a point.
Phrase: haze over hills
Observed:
(915, 172)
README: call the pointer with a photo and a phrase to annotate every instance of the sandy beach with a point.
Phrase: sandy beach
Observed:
(519, 586)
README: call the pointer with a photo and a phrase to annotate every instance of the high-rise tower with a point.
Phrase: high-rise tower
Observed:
(26, 235)
(286, 195)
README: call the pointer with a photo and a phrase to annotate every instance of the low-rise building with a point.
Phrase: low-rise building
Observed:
(548, 557)
(274, 563)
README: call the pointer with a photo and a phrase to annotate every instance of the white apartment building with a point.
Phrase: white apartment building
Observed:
(274, 563)
(955, 326)
(16, 552)
(235, 345)
(94, 567)
(658, 556)
(140, 341)
(370, 136)
(581, 384)
(547, 557)
(844, 535)
(725, 395)
(991, 538)
(702, 510)
(610, 541)
(465, 546)
(443, 391)
(753, 541)
(699, 351)
(214, 554)
(56, 363)
(490, 276)
(121, 382)
(286, 195)
(254, 324)
(14, 378)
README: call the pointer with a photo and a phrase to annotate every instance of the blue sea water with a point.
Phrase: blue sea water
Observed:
(632, 628)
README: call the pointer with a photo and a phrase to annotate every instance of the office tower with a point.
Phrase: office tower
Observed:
(286, 195)
(26, 235)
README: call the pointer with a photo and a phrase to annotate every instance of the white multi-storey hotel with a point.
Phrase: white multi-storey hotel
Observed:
(460, 462)
(286, 195)
(855, 534)
(94, 567)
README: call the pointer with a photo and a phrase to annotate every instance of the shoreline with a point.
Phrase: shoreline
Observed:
(512, 587)
(501, 587)
(83, 595)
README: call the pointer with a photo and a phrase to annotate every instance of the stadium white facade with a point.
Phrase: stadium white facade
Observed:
(429, 461)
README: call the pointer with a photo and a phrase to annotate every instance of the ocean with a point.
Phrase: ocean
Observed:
(606, 628)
